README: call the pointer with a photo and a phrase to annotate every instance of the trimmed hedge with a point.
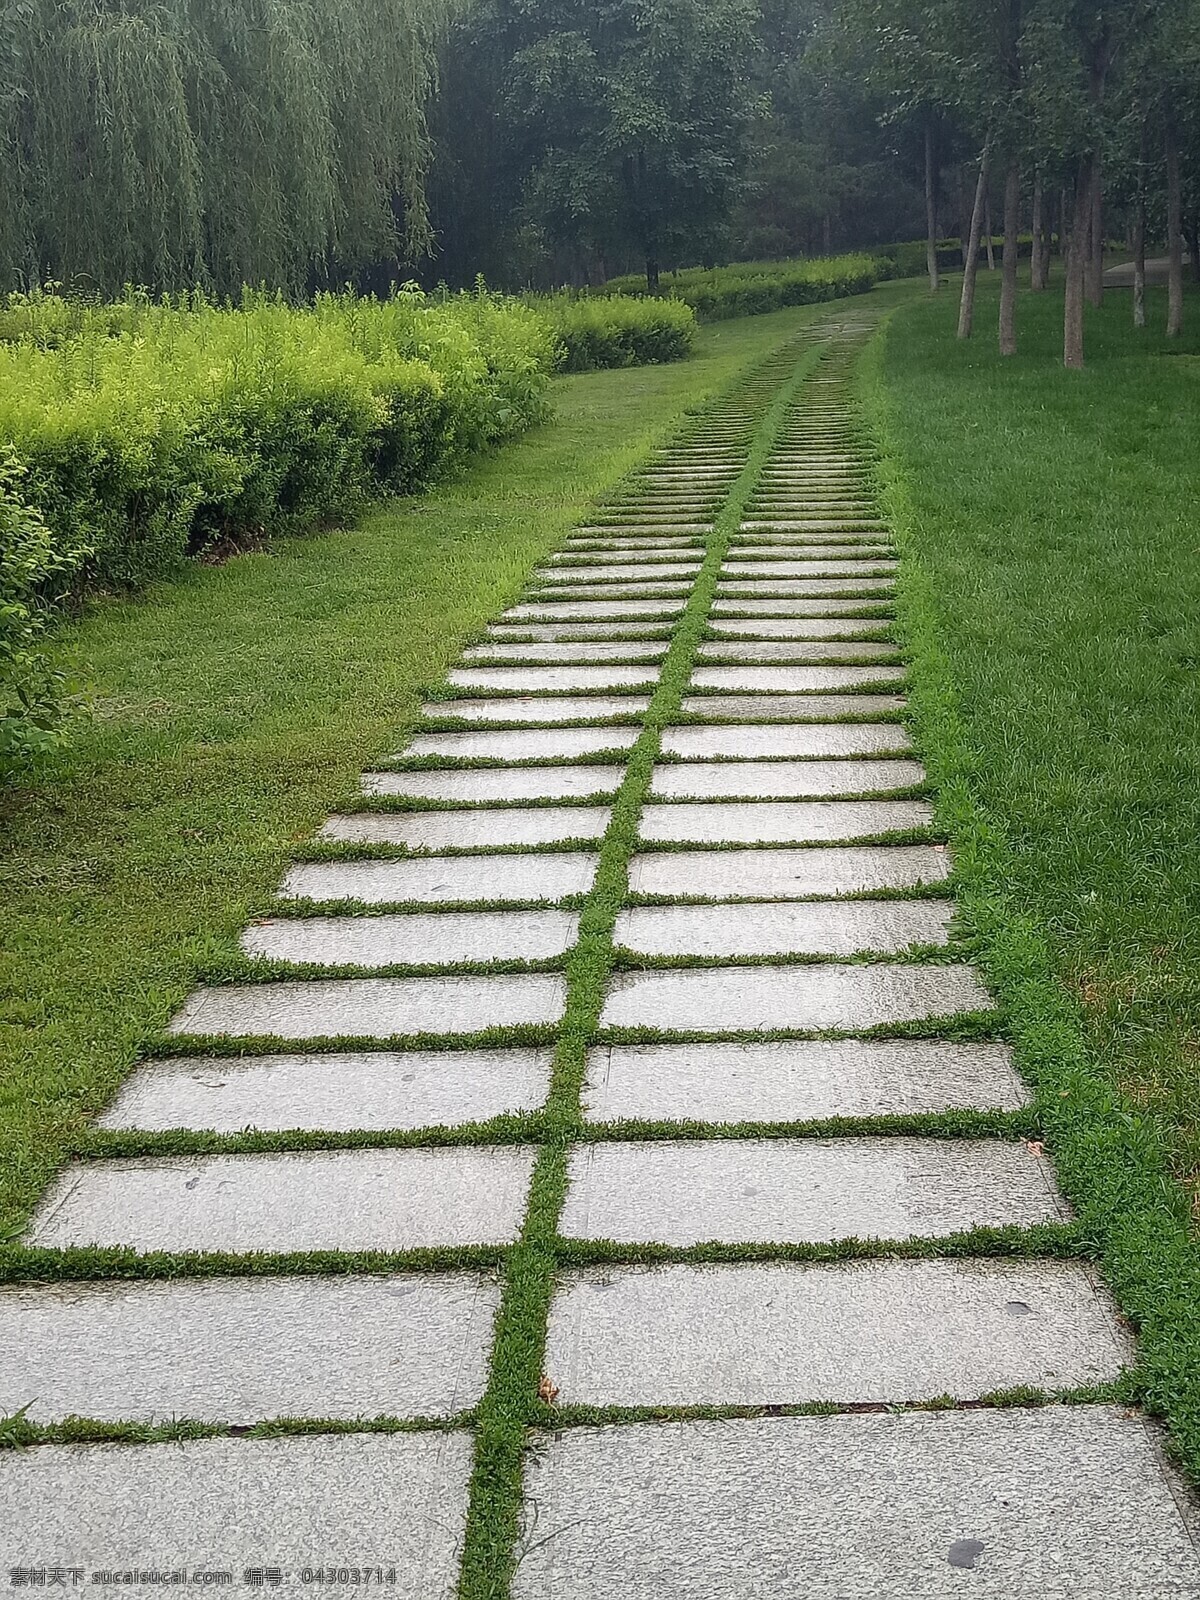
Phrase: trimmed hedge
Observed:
(751, 288)
(618, 331)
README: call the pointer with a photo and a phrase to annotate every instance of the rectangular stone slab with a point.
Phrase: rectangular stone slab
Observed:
(863, 549)
(798, 627)
(823, 928)
(469, 830)
(245, 1504)
(569, 651)
(675, 590)
(522, 744)
(552, 680)
(788, 707)
(788, 874)
(768, 570)
(782, 780)
(566, 610)
(444, 938)
(796, 608)
(786, 1333)
(448, 878)
(370, 1090)
(807, 589)
(494, 786)
(803, 1191)
(785, 822)
(798, 1080)
(799, 650)
(794, 680)
(616, 630)
(782, 743)
(793, 999)
(242, 1350)
(373, 1008)
(613, 572)
(1061, 1503)
(562, 708)
(298, 1200)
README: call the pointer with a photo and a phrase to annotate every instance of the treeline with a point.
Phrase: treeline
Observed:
(1086, 117)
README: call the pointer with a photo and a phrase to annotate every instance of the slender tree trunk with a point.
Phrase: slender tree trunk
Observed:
(931, 187)
(1008, 283)
(1095, 262)
(1174, 236)
(1037, 249)
(964, 213)
(652, 272)
(1139, 237)
(966, 307)
(987, 230)
(1192, 230)
(1076, 261)
(827, 233)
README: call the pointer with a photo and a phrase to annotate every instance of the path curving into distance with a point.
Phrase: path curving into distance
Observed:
(607, 1153)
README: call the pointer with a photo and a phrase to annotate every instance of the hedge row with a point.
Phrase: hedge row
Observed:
(617, 331)
(750, 288)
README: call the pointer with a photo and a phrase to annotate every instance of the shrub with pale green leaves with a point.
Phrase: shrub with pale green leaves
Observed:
(618, 331)
(35, 697)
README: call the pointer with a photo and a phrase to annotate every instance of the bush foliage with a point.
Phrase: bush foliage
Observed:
(617, 331)
(750, 288)
(139, 433)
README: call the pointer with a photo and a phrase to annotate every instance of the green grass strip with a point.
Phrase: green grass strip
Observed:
(509, 1406)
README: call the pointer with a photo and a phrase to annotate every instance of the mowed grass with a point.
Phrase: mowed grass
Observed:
(1051, 599)
(234, 708)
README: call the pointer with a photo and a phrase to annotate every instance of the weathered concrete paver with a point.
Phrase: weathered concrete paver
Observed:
(497, 785)
(1063, 1503)
(826, 928)
(294, 1200)
(548, 876)
(803, 1191)
(782, 780)
(244, 1505)
(800, 999)
(241, 1350)
(767, 822)
(470, 830)
(371, 1090)
(781, 1333)
(374, 1008)
(797, 1080)
(414, 939)
(832, 739)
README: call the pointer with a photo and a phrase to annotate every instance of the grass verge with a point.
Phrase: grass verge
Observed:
(1050, 599)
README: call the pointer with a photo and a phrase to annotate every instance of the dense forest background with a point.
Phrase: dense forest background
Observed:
(171, 143)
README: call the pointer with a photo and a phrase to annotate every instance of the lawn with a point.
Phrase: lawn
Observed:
(1051, 599)
(233, 709)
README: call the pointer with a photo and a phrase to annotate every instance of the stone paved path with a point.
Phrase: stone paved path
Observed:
(598, 1211)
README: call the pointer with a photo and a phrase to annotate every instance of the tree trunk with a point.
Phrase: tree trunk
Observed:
(1193, 242)
(1174, 236)
(1139, 260)
(1076, 261)
(1038, 251)
(966, 307)
(931, 177)
(1095, 261)
(652, 272)
(1008, 283)
(827, 233)
(964, 213)
(987, 230)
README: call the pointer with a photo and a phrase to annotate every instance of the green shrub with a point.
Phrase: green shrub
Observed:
(153, 435)
(617, 331)
(34, 698)
(751, 288)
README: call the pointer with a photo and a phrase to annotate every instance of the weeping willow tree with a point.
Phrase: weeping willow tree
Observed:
(174, 142)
